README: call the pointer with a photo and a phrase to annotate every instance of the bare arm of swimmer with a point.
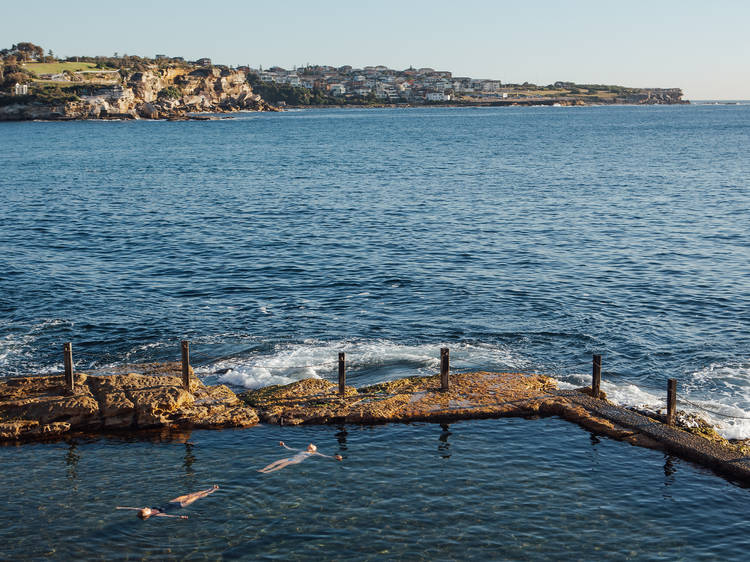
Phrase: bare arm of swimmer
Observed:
(146, 512)
(334, 457)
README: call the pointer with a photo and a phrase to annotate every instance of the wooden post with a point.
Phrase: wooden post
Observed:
(68, 362)
(342, 373)
(671, 400)
(186, 365)
(596, 378)
(445, 366)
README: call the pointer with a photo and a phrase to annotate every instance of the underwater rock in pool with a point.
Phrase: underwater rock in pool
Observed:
(38, 407)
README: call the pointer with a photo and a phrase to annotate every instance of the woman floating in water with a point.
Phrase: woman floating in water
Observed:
(179, 501)
(311, 450)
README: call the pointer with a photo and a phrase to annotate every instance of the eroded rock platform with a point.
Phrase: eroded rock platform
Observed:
(33, 408)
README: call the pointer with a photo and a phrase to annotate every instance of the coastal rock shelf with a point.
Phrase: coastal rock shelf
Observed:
(471, 395)
(33, 408)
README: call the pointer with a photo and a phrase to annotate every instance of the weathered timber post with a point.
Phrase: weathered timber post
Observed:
(186, 365)
(596, 378)
(68, 362)
(445, 367)
(671, 400)
(342, 373)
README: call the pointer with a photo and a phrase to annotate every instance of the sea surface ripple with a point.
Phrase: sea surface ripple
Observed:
(522, 238)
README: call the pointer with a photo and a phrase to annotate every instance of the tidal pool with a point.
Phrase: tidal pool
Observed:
(490, 489)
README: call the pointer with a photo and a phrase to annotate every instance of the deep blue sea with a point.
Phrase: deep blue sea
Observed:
(523, 239)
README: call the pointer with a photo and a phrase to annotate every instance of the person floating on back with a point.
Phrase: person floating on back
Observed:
(179, 501)
(311, 451)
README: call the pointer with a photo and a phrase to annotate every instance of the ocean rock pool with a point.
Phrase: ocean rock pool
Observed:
(499, 489)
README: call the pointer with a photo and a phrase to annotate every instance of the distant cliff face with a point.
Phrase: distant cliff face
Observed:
(656, 96)
(155, 93)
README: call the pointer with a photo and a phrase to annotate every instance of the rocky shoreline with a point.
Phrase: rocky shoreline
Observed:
(151, 397)
(173, 93)
(39, 408)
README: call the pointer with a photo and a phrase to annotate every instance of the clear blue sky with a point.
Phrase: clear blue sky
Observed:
(702, 47)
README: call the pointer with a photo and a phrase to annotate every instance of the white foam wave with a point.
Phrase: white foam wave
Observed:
(372, 361)
(13, 346)
(19, 354)
(719, 393)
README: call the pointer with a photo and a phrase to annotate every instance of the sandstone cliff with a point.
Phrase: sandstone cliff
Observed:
(155, 93)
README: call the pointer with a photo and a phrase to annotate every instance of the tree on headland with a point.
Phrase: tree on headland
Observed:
(24, 52)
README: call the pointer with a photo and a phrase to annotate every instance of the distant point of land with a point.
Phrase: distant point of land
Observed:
(35, 85)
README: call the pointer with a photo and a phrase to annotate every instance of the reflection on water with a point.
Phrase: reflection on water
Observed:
(513, 489)
(444, 446)
(341, 437)
(71, 460)
(669, 468)
(189, 459)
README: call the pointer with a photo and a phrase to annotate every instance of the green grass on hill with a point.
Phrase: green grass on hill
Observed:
(57, 67)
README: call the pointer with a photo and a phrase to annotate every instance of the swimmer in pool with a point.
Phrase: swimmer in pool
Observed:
(311, 450)
(179, 501)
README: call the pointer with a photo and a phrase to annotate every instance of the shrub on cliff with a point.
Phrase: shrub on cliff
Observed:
(54, 95)
(10, 79)
(169, 93)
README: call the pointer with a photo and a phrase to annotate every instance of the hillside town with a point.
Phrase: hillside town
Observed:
(427, 85)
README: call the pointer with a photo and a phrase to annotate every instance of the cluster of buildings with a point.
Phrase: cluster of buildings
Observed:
(384, 84)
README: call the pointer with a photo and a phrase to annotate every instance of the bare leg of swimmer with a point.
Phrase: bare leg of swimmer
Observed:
(187, 499)
(279, 464)
(275, 465)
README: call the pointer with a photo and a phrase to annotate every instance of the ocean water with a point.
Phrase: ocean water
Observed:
(524, 239)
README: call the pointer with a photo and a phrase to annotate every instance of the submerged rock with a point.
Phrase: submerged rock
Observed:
(38, 407)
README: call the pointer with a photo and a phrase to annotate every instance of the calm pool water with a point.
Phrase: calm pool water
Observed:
(490, 489)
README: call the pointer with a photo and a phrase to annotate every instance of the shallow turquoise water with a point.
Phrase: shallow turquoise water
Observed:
(489, 489)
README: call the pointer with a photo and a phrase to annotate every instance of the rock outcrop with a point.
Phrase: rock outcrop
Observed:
(166, 93)
(38, 407)
(471, 395)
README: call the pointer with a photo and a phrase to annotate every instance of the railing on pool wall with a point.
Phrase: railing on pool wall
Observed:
(445, 371)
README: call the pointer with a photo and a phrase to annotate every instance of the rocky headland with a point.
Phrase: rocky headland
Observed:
(172, 92)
